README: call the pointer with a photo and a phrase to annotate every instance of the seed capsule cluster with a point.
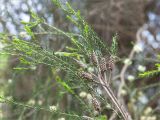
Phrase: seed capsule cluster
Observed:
(85, 75)
(96, 104)
(103, 65)
(93, 58)
(111, 63)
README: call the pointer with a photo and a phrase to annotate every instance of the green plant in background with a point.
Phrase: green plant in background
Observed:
(151, 72)
(84, 62)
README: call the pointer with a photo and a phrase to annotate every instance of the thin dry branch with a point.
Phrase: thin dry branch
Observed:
(125, 67)
(111, 95)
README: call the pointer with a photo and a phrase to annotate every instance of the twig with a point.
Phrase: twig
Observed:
(125, 67)
(110, 77)
(111, 95)
(36, 107)
(130, 57)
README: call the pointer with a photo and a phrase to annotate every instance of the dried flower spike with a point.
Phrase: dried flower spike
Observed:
(103, 65)
(111, 63)
(93, 58)
(86, 75)
(96, 104)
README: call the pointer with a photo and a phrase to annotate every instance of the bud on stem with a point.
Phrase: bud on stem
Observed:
(93, 58)
(85, 75)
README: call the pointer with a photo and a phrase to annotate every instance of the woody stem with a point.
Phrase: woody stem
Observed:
(111, 95)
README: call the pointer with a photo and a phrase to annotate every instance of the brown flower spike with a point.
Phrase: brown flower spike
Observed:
(86, 75)
(96, 104)
(111, 63)
(103, 65)
(93, 58)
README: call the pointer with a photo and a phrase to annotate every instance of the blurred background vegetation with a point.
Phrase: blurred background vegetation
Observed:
(137, 23)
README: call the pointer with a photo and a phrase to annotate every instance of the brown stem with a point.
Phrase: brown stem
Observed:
(111, 95)
(110, 76)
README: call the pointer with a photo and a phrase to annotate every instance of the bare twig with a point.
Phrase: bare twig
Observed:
(130, 57)
(125, 67)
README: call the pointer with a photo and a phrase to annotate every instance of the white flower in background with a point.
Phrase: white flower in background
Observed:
(148, 110)
(141, 68)
(31, 102)
(89, 97)
(109, 106)
(53, 108)
(61, 119)
(23, 34)
(143, 118)
(127, 61)
(33, 67)
(153, 118)
(140, 93)
(82, 94)
(90, 69)
(10, 81)
(40, 102)
(148, 117)
(133, 100)
(123, 92)
(131, 78)
(138, 47)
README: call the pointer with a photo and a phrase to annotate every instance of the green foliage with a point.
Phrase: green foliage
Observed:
(36, 107)
(65, 85)
(29, 25)
(32, 53)
(88, 40)
(3, 61)
(84, 42)
(114, 46)
(67, 54)
(152, 72)
(103, 117)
